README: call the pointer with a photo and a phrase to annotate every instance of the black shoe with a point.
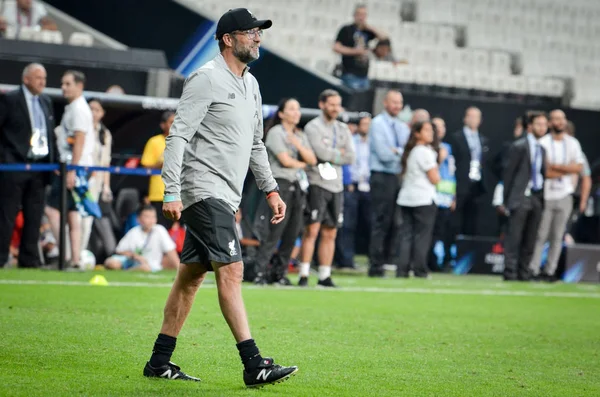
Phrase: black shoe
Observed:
(376, 272)
(169, 371)
(268, 373)
(303, 282)
(283, 282)
(328, 282)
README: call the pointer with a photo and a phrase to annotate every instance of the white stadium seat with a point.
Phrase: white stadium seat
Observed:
(81, 39)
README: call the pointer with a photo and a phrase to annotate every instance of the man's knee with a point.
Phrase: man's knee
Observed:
(229, 273)
(328, 233)
(191, 275)
(312, 231)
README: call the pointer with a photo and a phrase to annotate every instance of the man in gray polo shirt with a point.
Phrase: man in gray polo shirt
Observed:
(332, 143)
(215, 136)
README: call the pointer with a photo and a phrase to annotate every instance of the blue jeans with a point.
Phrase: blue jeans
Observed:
(356, 83)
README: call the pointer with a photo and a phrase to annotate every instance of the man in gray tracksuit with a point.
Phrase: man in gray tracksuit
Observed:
(332, 143)
(217, 134)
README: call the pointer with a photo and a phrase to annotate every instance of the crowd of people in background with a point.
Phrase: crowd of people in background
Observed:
(398, 191)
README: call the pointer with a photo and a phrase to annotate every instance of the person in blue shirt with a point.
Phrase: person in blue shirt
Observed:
(357, 199)
(387, 137)
(446, 200)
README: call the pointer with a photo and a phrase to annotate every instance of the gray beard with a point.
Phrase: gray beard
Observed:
(244, 55)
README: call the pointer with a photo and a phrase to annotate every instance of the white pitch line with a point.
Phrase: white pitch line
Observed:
(407, 290)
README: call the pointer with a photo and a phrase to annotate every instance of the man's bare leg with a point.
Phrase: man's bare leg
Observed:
(309, 239)
(179, 303)
(229, 284)
(74, 220)
(326, 251)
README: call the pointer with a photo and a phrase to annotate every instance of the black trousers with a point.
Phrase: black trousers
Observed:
(287, 232)
(24, 191)
(414, 239)
(468, 208)
(442, 231)
(356, 228)
(384, 192)
(519, 242)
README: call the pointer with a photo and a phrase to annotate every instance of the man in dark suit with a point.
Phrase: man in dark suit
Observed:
(470, 150)
(524, 176)
(26, 136)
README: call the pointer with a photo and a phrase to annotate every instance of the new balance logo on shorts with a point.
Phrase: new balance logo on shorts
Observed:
(232, 249)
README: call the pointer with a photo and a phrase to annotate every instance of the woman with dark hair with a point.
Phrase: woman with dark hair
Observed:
(289, 154)
(417, 200)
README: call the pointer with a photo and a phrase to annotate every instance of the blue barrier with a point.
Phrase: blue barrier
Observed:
(56, 167)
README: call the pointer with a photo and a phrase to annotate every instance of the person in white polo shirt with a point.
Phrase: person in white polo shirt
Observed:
(565, 158)
(75, 142)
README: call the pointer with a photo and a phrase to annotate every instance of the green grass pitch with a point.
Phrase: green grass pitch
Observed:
(449, 336)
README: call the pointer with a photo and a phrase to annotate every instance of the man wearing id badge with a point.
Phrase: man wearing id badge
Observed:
(523, 197)
(470, 150)
(565, 158)
(331, 141)
(26, 136)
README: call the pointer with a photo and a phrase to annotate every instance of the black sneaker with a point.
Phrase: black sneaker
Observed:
(283, 282)
(328, 282)
(268, 373)
(169, 371)
(303, 282)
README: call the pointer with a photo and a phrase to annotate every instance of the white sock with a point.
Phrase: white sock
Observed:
(324, 272)
(304, 269)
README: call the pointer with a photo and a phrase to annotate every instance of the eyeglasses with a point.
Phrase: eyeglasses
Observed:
(251, 34)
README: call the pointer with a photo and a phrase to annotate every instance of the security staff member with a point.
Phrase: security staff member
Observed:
(26, 136)
(217, 133)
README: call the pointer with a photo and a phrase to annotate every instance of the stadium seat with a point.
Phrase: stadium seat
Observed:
(443, 77)
(463, 79)
(446, 36)
(500, 63)
(405, 74)
(27, 33)
(81, 39)
(424, 75)
(51, 37)
(535, 86)
(554, 87)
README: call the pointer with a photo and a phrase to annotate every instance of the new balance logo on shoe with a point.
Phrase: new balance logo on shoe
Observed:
(264, 374)
(169, 375)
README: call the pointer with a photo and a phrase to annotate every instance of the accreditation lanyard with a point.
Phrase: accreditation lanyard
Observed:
(19, 18)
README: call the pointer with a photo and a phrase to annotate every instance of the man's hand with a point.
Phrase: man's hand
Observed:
(278, 206)
(582, 206)
(453, 205)
(71, 179)
(443, 154)
(172, 210)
